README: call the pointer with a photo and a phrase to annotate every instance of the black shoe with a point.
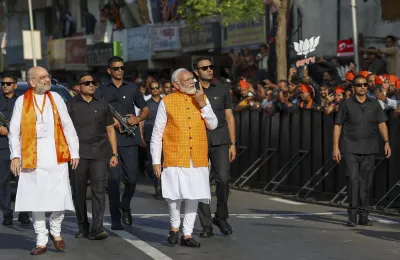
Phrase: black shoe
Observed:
(98, 236)
(207, 232)
(190, 242)
(126, 217)
(351, 223)
(82, 234)
(116, 225)
(223, 225)
(7, 222)
(365, 222)
(173, 237)
(25, 220)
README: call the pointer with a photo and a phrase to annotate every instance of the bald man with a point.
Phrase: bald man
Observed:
(42, 141)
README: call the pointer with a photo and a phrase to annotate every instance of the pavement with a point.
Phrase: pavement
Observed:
(265, 227)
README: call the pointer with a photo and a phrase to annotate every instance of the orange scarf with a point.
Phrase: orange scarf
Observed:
(28, 133)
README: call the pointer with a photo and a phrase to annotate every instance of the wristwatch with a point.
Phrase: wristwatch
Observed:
(115, 154)
(233, 143)
(386, 141)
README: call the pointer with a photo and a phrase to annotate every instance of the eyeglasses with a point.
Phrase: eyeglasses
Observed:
(48, 76)
(359, 85)
(7, 83)
(87, 83)
(153, 88)
(118, 68)
(205, 68)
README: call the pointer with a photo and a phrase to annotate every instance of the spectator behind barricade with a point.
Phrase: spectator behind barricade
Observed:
(307, 97)
(325, 95)
(283, 85)
(375, 63)
(391, 55)
(248, 98)
(268, 100)
(247, 65)
(166, 86)
(89, 21)
(262, 59)
(334, 100)
(327, 79)
(280, 103)
(348, 93)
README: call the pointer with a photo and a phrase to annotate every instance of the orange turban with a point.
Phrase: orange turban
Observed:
(380, 79)
(364, 73)
(398, 84)
(306, 88)
(349, 75)
(339, 89)
(244, 84)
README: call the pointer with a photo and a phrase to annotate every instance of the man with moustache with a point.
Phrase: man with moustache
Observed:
(42, 141)
(94, 125)
(123, 96)
(7, 102)
(180, 133)
(221, 147)
(360, 117)
(376, 93)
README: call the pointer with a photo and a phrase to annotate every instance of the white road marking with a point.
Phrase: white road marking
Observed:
(287, 201)
(136, 242)
(383, 221)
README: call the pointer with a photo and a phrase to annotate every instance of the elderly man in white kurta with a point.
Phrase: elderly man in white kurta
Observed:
(42, 141)
(180, 132)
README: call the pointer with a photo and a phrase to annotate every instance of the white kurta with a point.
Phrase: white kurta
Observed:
(179, 182)
(47, 188)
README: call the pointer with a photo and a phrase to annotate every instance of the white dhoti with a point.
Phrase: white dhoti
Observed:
(190, 185)
(46, 188)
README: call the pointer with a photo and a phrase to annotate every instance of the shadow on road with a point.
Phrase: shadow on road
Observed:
(13, 241)
(385, 235)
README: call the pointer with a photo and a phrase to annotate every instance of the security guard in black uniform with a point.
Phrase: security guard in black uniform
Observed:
(360, 117)
(222, 147)
(123, 96)
(7, 102)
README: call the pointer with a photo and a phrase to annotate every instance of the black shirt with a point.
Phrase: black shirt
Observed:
(149, 123)
(90, 121)
(6, 107)
(360, 125)
(220, 99)
(123, 99)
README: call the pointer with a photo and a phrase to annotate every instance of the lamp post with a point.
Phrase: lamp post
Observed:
(32, 28)
(355, 35)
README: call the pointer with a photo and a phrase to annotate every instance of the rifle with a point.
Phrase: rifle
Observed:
(125, 126)
(4, 121)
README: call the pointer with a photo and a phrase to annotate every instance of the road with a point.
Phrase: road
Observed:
(265, 227)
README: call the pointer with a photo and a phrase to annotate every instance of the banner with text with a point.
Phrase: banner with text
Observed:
(165, 38)
(138, 43)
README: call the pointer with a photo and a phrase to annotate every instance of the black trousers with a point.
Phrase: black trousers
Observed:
(149, 167)
(220, 166)
(94, 170)
(127, 171)
(359, 174)
(5, 191)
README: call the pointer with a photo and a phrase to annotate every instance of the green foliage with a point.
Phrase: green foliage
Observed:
(231, 11)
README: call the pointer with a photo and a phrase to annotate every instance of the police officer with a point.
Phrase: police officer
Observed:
(222, 147)
(360, 117)
(93, 122)
(7, 102)
(123, 96)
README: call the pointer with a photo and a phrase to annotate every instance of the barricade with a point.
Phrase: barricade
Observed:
(272, 144)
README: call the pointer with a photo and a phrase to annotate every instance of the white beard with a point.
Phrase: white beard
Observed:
(188, 91)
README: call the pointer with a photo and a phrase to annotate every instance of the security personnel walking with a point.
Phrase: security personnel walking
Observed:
(360, 117)
(94, 124)
(123, 96)
(7, 102)
(222, 147)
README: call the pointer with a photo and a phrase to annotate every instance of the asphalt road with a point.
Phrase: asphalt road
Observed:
(264, 228)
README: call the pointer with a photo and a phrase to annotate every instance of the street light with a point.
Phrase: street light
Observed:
(355, 35)
(32, 28)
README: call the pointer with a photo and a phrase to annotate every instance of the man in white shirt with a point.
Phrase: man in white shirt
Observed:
(180, 132)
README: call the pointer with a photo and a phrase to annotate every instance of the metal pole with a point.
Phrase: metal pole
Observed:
(32, 28)
(355, 35)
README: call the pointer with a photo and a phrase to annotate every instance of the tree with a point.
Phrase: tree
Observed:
(282, 7)
(231, 11)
